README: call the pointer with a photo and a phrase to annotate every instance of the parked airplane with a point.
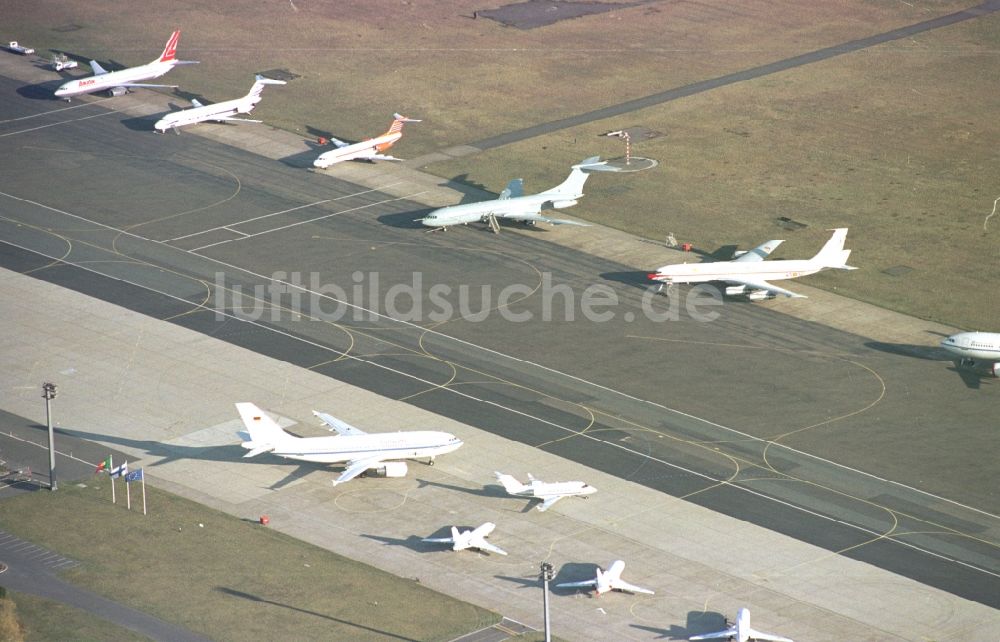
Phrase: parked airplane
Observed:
(360, 450)
(549, 493)
(469, 539)
(370, 149)
(515, 206)
(976, 350)
(610, 580)
(119, 82)
(741, 631)
(218, 112)
(750, 273)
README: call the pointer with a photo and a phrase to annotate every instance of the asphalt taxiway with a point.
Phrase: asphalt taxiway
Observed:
(744, 414)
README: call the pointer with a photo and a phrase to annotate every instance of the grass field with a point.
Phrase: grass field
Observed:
(223, 577)
(897, 142)
(50, 620)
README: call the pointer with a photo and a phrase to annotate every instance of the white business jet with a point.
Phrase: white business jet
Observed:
(119, 82)
(370, 149)
(513, 205)
(360, 450)
(610, 580)
(750, 274)
(741, 631)
(548, 492)
(218, 112)
(976, 349)
(469, 539)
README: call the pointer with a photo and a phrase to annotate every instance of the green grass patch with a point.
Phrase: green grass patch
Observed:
(45, 619)
(227, 578)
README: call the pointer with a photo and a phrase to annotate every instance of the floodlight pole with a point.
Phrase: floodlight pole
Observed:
(48, 394)
(546, 578)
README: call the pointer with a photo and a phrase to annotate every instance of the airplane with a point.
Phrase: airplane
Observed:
(610, 580)
(219, 112)
(976, 350)
(119, 82)
(549, 493)
(360, 450)
(469, 539)
(370, 149)
(515, 206)
(749, 273)
(741, 631)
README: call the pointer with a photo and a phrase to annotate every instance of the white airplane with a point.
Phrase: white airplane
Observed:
(976, 349)
(360, 450)
(469, 539)
(610, 580)
(370, 149)
(515, 206)
(219, 112)
(119, 82)
(548, 492)
(749, 273)
(741, 631)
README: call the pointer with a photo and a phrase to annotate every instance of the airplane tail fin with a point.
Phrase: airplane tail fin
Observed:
(260, 82)
(265, 433)
(454, 535)
(572, 187)
(833, 254)
(397, 123)
(510, 484)
(170, 51)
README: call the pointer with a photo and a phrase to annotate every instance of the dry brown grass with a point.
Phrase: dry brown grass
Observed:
(10, 626)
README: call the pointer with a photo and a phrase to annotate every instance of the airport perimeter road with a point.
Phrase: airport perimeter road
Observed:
(744, 414)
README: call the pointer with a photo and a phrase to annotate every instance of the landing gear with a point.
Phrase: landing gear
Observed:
(430, 461)
(670, 288)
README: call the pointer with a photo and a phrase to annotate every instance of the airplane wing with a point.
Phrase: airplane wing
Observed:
(483, 545)
(196, 102)
(759, 253)
(342, 427)
(356, 467)
(582, 584)
(98, 69)
(514, 189)
(337, 142)
(438, 540)
(728, 633)
(549, 500)
(143, 84)
(757, 635)
(764, 285)
(622, 585)
(384, 157)
(230, 119)
(561, 221)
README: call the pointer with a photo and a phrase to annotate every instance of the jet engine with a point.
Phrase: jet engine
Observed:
(996, 369)
(389, 469)
(118, 91)
(735, 290)
(561, 204)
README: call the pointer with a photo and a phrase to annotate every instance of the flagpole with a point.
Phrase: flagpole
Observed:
(128, 495)
(143, 493)
(111, 459)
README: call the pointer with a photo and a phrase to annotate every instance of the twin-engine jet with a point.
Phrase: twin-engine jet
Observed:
(469, 539)
(370, 149)
(119, 82)
(515, 206)
(219, 112)
(741, 631)
(976, 350)
(610, 580)
(749, 274)
(548, 492)
(361, 451)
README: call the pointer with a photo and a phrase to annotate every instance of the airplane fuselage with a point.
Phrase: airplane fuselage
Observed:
(343, 448)
(981, 346)
(194, 115)
(113, 79)
(561, 489)
(364, 149)
(727, 270)
(500, 208)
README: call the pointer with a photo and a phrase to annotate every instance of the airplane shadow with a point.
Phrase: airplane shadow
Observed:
(304, 160)
(189, 96)
(916, 351)
(141, 123)
(492, 490)
(472, 192)
(633, 278)
(318, 133)
(261, 600)
(405, 220)
(41, 91)
(525, 582)
(412, 542)
(573, 572)
(697, 621)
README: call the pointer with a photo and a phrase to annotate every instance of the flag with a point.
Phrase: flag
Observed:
(134, 476)
(118, 471)
(104, 465)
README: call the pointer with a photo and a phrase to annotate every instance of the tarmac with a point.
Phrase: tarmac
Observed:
(715, 565)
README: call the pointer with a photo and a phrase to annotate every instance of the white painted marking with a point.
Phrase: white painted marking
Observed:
(62, 122)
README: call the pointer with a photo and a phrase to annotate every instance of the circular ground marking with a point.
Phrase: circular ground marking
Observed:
(635, 164)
